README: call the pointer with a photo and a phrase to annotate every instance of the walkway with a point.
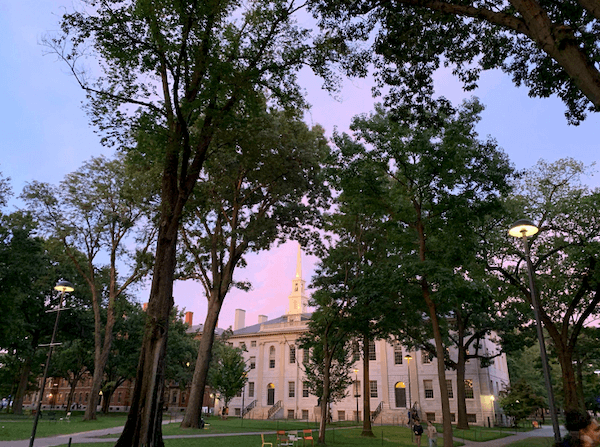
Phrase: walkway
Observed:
(544, 431)
(94, 437)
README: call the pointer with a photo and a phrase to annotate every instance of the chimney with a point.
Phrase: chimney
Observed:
(189, 318)
(240, 319)
(145, 306)
(262, 319)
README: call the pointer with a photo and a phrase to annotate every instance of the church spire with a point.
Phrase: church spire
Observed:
(298, 300)
(299, 264)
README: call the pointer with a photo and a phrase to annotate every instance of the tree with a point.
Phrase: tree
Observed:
(551, 48)
(326, 355)
(359, 263)
(97, 211)
(173, 74)
(264, 186)
(565, 257)
(227, 374)
(29, 268)
(519, 401)
(443, 180)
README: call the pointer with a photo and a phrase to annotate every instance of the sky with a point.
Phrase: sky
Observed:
(46, 134)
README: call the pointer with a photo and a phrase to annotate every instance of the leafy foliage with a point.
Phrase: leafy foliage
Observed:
(520, 400)
(227, 374)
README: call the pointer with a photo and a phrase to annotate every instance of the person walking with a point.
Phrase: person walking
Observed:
(431, 434)
(418, 431)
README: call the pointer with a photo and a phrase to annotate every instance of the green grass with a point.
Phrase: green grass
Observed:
(384, 436)
(533, 442)
(13, 427)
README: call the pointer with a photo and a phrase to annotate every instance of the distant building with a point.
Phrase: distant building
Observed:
(276, 387)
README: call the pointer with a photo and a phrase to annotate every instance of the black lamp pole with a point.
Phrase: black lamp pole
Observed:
(63, 287)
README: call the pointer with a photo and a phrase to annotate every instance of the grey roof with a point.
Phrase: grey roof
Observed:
(255, 328)
(200, 328)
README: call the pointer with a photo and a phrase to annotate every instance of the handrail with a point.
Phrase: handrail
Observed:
(274, 409)
(250, 406)
(377, 411)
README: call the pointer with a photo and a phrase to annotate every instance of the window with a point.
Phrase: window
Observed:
(119, 398)
(238, 412)
(86, 397)
(304, 389)
(243, 346)
(272, 357)
(238, 394)
(468, 389)
(428, 387)
(341, 415)
(292, 354)
(372, 355)
(291, 389)
(250, 389)
(452, 417)
(253, 344)
(174, 398)
(182, 398)
(355, 351)
(290, 414)
(373, 388)
(430, 417)
(472, 418)
(252, 362)
(450, 390)
(305, 356)
(305, 414)
(397, 353)
(425, 357)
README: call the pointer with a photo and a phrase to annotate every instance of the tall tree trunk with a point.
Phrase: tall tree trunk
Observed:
(437, 335)
(193, 412)
(565, 358)
(367, 429)
(463, 423)
(143, 426)
(22, 386)
(325, 398)
(102, 348)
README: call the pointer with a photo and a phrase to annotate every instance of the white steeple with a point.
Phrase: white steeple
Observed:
(298, 300)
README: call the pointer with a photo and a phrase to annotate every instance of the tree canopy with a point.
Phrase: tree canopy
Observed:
(550, 48)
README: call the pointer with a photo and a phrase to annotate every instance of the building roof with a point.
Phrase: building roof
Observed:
(200, 328)
(256, 328)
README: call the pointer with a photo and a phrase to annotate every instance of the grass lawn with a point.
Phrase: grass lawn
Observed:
(533, 442)
(14, 427)
(384, 436)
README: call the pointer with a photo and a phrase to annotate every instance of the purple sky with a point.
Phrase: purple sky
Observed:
(45, 135)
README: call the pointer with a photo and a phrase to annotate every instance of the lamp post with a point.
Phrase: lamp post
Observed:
(243, 396)
(523, 228)
(356, 395)
(408, 358)
(63, 287)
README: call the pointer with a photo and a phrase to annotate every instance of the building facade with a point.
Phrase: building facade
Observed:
(276, 386)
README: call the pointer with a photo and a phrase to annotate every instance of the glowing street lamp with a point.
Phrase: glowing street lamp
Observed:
(523, 228)
(63, 287)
